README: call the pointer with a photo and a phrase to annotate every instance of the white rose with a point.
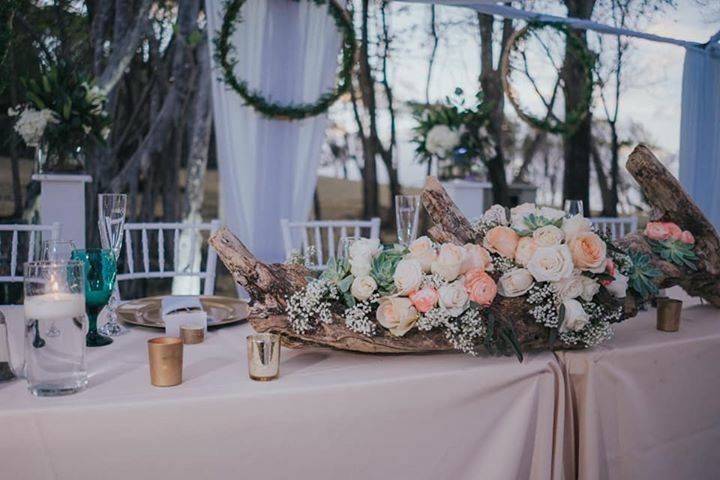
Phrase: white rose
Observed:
(518, 214)
(449, 261)
(454, 298)
(574, 225)
(363, 287)
(408, 276)
(569, 288)
(550, 264)
(441, 140)
(366, 248)
(496, 215)
(590, 288)
(360, 267)
(423, 250)
(618, 287)
(397, 314)
(551, 213)
(575, 317)
(548, 236)
(515, 282)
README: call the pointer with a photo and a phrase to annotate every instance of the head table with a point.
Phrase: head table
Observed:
(646, 405)
(329, 415)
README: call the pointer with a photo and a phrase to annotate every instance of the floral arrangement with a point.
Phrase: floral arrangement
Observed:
(455, 135)
(63, 114)
(564, 269)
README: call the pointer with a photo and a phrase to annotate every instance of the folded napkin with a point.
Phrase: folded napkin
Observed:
(179, 310)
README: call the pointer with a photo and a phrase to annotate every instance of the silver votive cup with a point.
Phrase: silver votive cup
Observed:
(263, 351)
(668, 314)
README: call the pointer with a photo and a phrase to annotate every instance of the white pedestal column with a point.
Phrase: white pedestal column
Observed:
(62, 199)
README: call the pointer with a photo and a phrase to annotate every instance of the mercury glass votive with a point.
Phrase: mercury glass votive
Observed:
(166, 361)
(668, 314)
(263, 351)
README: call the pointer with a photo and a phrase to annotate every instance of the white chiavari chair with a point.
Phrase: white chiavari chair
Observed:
(13, 237)
(615, 227)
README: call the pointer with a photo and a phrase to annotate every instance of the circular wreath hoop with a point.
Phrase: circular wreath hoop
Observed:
(551, 123)
(254, 98)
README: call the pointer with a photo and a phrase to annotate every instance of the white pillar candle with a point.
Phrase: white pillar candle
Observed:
(55, 306)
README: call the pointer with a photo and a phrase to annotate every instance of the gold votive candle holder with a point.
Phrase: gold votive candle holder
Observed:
(668, 314)
(191, 334)
(263, 353)
(166, 361)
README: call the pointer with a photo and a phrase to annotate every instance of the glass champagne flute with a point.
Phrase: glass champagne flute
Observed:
(56, 251)
(573, 207)
(407, 215)
(112, 209)
(100, 273)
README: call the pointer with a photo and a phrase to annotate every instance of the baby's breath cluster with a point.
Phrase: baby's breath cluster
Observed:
(311, 306)
(546, 304)
(592, 335)
(466, 333)
(359, 317)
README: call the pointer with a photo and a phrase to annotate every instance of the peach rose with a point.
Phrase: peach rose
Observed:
(525, 249)
(589, 252)
(675, 231)
(476, 257)
(657, 231)
(423, 250)
(501, 240)
(480, 287)
(397, 314)
(610, 269)
(424, 299)
(449, 261)
(687, 237)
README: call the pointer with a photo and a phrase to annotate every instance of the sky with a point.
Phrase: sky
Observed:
(654, 71)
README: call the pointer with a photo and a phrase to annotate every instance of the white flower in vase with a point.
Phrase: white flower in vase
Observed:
(441, 140)
(31, 125)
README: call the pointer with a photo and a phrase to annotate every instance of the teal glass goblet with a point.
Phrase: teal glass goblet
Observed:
(100, 270)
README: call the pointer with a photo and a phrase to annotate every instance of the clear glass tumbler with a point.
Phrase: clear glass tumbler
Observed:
(55, 295)
(407, 216)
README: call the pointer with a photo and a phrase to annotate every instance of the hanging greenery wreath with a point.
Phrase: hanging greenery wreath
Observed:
(224, 56)
(551, 123)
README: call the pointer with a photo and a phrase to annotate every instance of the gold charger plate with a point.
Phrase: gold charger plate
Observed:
(146, 311)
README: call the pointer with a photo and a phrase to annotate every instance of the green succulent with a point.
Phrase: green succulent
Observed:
(676, 252)
(533, 222)
(642, 273)
(383, 268)
(338, 273)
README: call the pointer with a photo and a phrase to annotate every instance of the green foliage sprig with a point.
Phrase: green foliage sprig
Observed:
(224, 55)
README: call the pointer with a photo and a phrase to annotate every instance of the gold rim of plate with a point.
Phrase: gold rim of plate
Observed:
(146, 311)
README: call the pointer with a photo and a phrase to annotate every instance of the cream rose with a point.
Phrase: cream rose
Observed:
(397, 314)
(363, 287)
(408, 276)
(360, 267)
(548, 236)
(423, 250)
(495, 214)
(590, 288)
(516, 282)
(476, 257)
(454, 298)
(525, 250)
(551, 213)
(569, 288)
(441, 140)
(501, 240)
(589, 252)
(366, 248)
(575, 317)
(618, 287)
(449, 261)
(550, 264)
(575, 225)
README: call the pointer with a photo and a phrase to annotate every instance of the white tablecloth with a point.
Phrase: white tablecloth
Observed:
(330, 415)
(647, 405)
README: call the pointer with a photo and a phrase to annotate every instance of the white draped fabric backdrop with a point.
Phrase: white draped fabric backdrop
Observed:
(267, 168)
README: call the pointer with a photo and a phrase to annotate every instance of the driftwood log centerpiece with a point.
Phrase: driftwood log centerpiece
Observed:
(270, 285)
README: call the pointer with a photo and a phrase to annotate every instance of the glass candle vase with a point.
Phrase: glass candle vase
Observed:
(55, 301)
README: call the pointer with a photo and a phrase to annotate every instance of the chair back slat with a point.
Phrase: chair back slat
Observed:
(22, 245)
(186, 264)
(616, 228)
(326, 238)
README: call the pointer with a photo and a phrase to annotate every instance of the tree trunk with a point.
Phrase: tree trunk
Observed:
(614, 171)
(602, 181)
(491, 85)
(577, 145)
(14, 160)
